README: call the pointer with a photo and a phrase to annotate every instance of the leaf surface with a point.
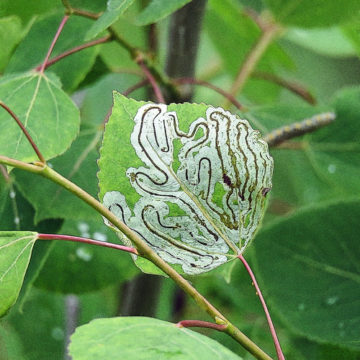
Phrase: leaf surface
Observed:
(194, 177)
(114, 9)
(72, 69)
(48, 114)
(159, 9)
(323, 12)
(115, 339)
(15, 252)
(311, 272)
(79, 165)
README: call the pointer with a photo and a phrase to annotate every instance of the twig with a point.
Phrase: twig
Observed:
(86, 14)
(289, 85)
(278, 136)
(58, 32)
(213, 87)
(74, 50)
(157, 92)
(25, 132)
(279, 352)
(202, 324)
(253, 58)
(87, 241)
(143, 250)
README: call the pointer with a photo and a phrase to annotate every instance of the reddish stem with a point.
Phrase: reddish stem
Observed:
(226, 95)
(87, 241)
(72, 51)
(158, 94)
(199, 323)
(58, 32)
(279, 352)
(289, 85)
(138, 85)
(26, 133)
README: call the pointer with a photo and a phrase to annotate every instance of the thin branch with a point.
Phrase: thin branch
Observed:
(226, 95)
(202, 324)
(279, 352)
(289, 85)
(58, 32)
(84, 13)
(136, 86)
(157, 91)
(5, 174)
(143, 250)
(253, 57)
(280, 135)
(87, 241)
(74, 50)
(25, 132)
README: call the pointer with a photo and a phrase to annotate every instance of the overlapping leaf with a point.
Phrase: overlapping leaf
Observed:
(200, 176)
(48, 114)
(71, 70)
(113, 10)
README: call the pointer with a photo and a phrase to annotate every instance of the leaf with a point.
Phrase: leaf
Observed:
(114, 9)
(308, 266)
(45, 110)
(114, 55)
(195, 179)
(98, 98)
(81, 268)
(72, 69)
(116, 337)
(159, 9)
(15, 252)
(79, 165)
(326, 41)
(10, 35)
(323, 12)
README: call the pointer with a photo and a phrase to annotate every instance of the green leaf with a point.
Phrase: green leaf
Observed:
(15, 252)
(313, 13)
(195, 179)
(10, 35)
(114, 9)
(72, 69)
(326, 41)
(79, 165)
(159, 9)
(98, 98)
(159, 340)
(82, 268)
(114, 55)
(309, 269)
(45, 110)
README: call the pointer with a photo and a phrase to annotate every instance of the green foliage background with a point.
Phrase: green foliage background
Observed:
(306, 255)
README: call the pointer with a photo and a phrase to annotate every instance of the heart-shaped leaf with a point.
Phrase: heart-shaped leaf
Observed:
(195, 179)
